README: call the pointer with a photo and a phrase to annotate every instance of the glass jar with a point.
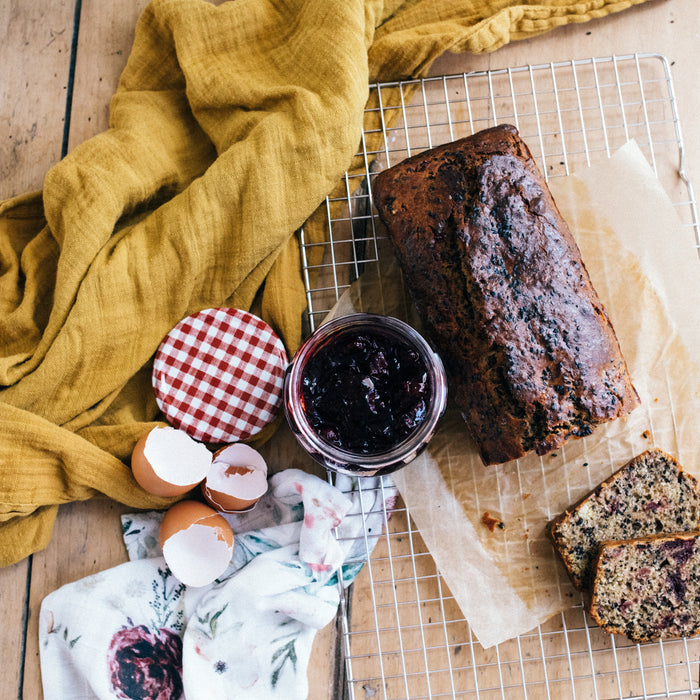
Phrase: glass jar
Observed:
(363, 394)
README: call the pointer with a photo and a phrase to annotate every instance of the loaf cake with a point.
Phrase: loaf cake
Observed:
(650, 494)
(648, 588)
(498, 280)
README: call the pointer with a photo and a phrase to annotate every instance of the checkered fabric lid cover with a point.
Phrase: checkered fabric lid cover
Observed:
(218, 375)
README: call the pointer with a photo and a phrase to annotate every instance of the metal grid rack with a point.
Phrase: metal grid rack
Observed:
(404, 635)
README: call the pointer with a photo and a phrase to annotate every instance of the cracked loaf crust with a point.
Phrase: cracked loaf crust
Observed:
(502, 291)
(650, 494)
(648, 588)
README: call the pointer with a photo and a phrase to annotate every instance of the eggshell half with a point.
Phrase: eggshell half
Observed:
(237, 479)
(197, 543)
(168, 462)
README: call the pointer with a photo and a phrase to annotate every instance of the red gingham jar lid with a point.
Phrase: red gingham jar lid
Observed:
(218, 375)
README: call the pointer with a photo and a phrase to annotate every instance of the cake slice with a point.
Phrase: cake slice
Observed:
(651, 494)
(648, 588)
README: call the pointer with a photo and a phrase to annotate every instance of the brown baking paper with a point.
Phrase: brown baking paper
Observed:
(645, 268)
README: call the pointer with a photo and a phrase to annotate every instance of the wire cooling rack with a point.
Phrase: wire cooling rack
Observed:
(403, 634)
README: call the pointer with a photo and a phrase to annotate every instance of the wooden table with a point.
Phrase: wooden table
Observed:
(59, 70)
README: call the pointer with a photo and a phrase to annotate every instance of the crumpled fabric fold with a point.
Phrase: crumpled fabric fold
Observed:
(228, 128)
(136, 631)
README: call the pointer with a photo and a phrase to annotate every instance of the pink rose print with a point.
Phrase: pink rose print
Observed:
(146, 664)
(389, 505)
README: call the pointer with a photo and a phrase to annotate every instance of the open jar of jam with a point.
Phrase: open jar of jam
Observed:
(364, 393)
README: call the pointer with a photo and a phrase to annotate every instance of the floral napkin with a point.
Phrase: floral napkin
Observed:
(135, 631)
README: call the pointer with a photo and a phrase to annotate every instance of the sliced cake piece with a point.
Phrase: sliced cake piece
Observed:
(650, 494)
(648, 588)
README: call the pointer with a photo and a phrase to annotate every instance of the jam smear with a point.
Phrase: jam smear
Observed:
(365, 391)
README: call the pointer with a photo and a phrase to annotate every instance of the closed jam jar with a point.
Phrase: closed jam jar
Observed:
(364, 393)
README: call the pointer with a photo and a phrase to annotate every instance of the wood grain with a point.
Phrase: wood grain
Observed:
(104, 41)
(35, 41)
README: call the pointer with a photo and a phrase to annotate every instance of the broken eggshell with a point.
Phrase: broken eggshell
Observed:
(236, 480)
(197, 542)
(168, 462)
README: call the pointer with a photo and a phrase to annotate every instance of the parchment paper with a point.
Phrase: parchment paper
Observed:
(645, 268)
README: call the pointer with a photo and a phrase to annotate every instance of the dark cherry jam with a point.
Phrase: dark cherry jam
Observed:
(365, 390)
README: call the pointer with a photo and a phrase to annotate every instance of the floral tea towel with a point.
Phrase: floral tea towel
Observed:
(135, 631)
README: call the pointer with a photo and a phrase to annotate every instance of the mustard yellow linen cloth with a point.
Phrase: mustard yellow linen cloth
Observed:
(229, 126)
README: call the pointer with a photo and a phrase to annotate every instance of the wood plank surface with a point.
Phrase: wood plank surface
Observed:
(35, 43)
(35, 51)
(104, 41)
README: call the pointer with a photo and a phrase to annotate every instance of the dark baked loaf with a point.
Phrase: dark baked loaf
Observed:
(499, 283)
(651, 494)
(648, 588)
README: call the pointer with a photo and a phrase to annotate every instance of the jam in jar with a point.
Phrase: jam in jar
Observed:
(364, 393)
